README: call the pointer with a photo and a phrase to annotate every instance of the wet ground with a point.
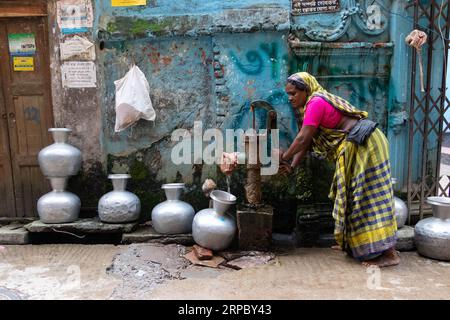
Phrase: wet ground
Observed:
(148, 271)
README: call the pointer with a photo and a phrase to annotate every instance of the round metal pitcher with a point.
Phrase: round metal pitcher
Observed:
(173, 216)
(400, 209)
(58, 206)
(213, 228)
(119, 205)
(59, 159)
(432, 235)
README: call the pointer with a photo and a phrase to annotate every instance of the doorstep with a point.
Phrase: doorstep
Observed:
(13, 234)
(89, 226)
(405, 239)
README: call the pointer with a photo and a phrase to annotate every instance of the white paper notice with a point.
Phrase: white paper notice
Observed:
(74, 15)
(79, 74)
(78, 47)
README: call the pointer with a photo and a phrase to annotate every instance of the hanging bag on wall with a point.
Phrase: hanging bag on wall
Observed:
(132, 99)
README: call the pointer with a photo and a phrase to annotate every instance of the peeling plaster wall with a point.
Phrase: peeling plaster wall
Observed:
(180, 46)
(179, 72)
(207, 60)
(246, 49)
(245, 59)
(77, 109)
(195, 17)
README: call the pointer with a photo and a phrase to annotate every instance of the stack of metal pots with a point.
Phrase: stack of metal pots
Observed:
(432, 235)
(58, 162)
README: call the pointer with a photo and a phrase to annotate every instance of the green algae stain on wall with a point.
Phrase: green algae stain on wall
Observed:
(129, 27)
(141, 27)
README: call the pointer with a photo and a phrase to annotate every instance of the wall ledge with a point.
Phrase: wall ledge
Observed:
(308, 48)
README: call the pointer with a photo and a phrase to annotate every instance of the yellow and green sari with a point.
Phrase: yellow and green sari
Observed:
(365, 223)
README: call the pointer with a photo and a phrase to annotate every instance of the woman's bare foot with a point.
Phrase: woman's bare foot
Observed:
(388, 258)
(336, 247)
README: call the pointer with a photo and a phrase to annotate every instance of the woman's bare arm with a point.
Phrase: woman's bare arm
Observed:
(301, 144)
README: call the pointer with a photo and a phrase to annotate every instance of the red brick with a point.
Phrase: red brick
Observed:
(202, 253)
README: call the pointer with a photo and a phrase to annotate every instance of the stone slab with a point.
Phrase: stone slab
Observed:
(146, 234)
(326, 240)
(250, 261)
(254, 228)
(307, 227)
(405, 239)
(91, 226)
(5, 221)
(13, 234)
(284, 240)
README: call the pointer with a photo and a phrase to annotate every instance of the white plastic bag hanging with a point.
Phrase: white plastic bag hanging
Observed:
(132, 99)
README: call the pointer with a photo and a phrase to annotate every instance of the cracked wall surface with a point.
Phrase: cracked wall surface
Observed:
(206, 61)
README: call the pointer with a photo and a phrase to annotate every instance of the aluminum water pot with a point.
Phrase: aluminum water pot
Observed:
(58, 206)
(400, 209)
(59, 159)
(173, 216)
(401, 212)
(119, 205)
(432, 235)
(213, 228)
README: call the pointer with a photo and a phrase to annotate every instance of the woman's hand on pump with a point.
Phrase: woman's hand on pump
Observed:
(285, 168)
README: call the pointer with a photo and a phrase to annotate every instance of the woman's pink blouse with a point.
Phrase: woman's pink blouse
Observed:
(320, 112)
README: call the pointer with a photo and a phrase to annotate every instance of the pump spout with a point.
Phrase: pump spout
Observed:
(271, 113)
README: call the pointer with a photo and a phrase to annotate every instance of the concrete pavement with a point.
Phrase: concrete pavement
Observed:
(148, 271)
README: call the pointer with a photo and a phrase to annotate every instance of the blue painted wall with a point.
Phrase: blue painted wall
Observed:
(202, 63)
(185, 7)
(207, 60)
(246, 59)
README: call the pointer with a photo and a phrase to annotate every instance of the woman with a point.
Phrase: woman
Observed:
(365, 225)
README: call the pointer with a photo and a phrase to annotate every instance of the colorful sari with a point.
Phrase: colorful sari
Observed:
(365, 223)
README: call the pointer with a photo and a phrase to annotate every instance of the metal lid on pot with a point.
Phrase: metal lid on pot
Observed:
(172, 186)
(439, 201)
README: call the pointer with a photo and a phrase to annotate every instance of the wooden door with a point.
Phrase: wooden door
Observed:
(25, 106)
(7, 205)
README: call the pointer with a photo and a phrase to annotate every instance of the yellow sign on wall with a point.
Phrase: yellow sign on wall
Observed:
(23, 63)
(125, 3)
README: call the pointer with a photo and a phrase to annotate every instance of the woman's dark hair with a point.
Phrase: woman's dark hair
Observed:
(298, 83)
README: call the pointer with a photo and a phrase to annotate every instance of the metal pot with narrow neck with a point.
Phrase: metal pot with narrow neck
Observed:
(173, 216)
(59, 159)
(58, 206)
(213, 228)
(432, 235)
(119, 205)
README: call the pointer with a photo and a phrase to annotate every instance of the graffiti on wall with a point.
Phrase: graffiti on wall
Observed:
(255, 63)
